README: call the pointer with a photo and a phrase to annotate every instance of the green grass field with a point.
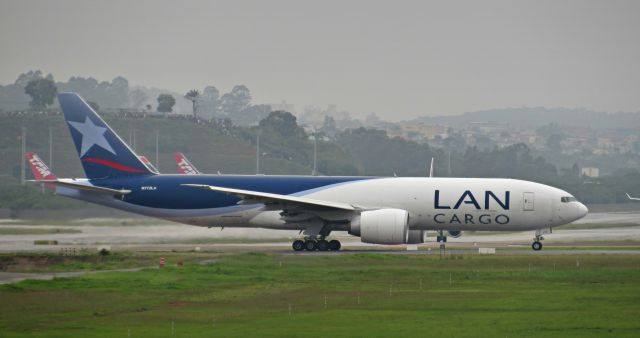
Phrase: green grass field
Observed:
(36, 231)
(366, 295)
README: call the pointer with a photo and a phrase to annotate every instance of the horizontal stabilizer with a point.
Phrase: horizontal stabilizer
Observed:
(633, 198)
(85, 187)
(249, 196)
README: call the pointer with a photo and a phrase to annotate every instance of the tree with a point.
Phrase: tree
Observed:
(329, 125)
(236, 101)
(192, 96)
(165, 103)
(210, 101)
(118, 92)
(284, 123)
(137, 98)
(252, 115)
(24, 78)
(42, 92)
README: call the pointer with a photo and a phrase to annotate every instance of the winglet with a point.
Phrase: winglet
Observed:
(633, 198)
(431, 168)
(69, 183)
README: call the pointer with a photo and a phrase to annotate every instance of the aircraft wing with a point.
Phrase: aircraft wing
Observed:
(633, 198)
(86, 187)
(249, 196)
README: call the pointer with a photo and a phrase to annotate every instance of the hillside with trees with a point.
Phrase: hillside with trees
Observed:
(286, 148)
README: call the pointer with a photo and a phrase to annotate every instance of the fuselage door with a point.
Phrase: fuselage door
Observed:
(528, 201)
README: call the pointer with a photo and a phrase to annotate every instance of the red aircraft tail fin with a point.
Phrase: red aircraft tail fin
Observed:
(40, 170)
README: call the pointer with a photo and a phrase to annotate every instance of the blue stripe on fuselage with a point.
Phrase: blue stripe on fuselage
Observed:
(165, 191)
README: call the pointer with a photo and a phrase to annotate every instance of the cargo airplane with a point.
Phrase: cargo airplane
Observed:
(381, 210)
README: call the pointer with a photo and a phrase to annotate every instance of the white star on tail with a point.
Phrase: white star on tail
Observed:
(91, 135)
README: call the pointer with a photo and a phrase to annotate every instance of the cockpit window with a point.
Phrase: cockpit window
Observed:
(567, 199)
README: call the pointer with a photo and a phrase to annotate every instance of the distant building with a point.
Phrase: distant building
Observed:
(489, 127)
(419, 131)
(590, 172)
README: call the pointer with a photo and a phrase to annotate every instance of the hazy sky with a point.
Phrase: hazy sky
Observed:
(399, 59)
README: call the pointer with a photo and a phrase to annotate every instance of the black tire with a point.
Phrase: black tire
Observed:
(310, 245)
(322, 245)
(298, 245)
(536, 246)
(334, 245)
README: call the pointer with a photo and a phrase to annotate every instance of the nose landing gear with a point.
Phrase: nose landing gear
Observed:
(536, 246)
(537, 240)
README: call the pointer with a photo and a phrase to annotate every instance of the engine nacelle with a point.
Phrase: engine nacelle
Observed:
(416, 236)
(455, 233)
(384, 226)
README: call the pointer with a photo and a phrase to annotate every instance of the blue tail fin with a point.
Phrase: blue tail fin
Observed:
(102, 152)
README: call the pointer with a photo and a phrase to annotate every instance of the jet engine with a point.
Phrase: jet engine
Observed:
(416, 236)
(455, 233)
(383, 226)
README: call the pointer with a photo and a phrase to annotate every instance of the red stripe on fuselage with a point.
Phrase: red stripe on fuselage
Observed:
(112, 165)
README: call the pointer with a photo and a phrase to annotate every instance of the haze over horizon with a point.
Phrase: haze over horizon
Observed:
(399, 60)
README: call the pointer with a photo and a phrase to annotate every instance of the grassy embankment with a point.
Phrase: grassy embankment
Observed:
(209, 149)
(349, 295)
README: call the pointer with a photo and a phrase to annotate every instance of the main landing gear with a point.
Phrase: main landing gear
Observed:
(312, 244)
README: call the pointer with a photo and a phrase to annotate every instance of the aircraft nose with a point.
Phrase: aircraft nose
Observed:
(582, 210)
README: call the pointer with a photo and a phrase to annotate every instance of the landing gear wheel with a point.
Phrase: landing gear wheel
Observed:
(441, 238)
(536, 246)
(334, 245)
(298, 245)
(310, 245)
(322, 245)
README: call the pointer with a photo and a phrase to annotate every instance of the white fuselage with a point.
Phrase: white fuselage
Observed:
(432, 203)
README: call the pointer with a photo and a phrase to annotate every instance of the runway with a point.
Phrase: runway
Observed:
(158, 236)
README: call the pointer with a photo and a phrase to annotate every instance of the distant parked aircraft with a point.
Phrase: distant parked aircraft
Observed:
(39, 169)
(184, 165)
(146, 162)
(381, 210)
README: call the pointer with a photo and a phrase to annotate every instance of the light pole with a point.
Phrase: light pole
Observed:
(315, 153)
(51, 148)
(23, 151)
(157, 150)
(258, 153)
